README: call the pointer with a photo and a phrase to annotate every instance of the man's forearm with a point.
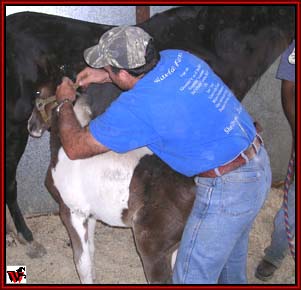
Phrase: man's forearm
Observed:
(77, 141)
(70, 129)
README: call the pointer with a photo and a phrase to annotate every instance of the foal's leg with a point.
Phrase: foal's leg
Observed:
(77, 227)
(156, 237)
(82, 259)
(91, 231)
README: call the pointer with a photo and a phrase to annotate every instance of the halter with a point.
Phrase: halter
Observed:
(41, 104)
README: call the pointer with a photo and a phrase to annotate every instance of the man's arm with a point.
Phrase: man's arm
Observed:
(77, 142)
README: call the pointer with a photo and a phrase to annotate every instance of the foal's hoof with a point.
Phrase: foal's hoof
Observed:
(35, 250)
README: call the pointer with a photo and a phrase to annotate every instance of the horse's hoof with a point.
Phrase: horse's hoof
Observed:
(21, 239)
(11, 240)
(35, 250)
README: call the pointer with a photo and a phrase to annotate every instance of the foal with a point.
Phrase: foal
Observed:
(134, 190)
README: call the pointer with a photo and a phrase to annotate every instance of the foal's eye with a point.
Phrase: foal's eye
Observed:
(37, 93)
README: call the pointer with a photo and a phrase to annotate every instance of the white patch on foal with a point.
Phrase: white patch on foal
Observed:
(98, 185)
(173, 258)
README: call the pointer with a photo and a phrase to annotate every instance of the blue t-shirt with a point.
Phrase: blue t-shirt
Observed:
(286, 69)
(183, 112)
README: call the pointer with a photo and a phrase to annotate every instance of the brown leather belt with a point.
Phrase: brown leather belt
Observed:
(240, 160)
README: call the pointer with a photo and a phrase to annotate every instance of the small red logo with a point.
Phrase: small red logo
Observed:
(16, 274)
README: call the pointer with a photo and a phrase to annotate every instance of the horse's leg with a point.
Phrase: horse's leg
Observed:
(91, 232)
(15, 140)
(157, 268)
(156, 242)
(77, 227)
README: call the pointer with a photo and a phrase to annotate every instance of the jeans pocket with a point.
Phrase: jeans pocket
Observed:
(203, 197)
(243, 192)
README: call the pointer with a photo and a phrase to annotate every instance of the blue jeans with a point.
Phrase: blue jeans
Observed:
(278, 248)
(214, 244)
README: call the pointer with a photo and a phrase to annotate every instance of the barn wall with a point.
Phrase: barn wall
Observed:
(111, 15)
(263, 102)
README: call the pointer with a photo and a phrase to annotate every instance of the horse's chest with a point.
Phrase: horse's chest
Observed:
(97, 185)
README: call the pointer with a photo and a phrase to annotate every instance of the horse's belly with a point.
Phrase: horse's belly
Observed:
(97, 185)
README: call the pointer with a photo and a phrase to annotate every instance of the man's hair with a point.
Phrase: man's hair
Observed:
(152, 57)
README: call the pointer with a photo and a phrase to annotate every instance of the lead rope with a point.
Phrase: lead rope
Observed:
(288, 180)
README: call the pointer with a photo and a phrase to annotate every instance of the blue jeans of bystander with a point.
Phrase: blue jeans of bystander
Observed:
(278, 248)
(214, 244)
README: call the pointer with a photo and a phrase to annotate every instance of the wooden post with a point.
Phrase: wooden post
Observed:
(142, 14)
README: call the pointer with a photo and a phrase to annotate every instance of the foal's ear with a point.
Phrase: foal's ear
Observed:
(124, 74)
(47, 65)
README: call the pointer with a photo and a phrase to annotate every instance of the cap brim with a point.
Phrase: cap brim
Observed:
(94, 58)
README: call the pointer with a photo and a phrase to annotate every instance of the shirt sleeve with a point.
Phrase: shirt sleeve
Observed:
(121, 130)
(286, 69)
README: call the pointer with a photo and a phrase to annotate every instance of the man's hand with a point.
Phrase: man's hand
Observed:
(66, 90)
(90, 75)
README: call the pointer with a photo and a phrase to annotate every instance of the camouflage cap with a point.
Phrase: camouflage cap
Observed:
(122, 47)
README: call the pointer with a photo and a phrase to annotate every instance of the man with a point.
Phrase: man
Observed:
(277, 250)
(176, 106)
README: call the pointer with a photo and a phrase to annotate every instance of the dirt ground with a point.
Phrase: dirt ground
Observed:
(117, 261)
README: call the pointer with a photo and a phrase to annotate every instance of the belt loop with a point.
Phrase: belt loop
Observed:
(260, 142)
(260, 139)
(244, 156)
(255, 148)
(216, 170)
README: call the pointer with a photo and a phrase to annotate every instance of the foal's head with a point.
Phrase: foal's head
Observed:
(45, 104)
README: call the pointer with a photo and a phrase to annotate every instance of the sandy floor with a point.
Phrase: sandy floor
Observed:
(116, 258)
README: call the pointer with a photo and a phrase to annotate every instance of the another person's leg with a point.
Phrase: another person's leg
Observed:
(278, 249)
